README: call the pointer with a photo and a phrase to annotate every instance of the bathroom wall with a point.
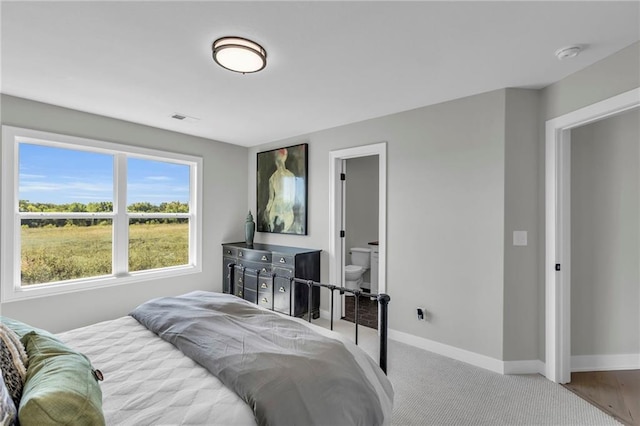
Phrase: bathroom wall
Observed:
(361, 203)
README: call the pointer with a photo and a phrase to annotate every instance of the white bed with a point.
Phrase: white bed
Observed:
(148, 380)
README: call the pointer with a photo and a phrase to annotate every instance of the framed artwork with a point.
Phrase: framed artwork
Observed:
(281, 196)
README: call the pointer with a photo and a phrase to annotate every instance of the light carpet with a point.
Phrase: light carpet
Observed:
(431, 389)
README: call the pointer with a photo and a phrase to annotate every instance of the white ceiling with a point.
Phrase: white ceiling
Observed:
(329, 63)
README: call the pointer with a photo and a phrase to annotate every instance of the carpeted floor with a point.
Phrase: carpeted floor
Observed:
(434, 390)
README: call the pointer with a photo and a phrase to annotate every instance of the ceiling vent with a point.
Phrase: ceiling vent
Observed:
(184, 117)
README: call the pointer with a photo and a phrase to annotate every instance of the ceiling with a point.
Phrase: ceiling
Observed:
(328, 64)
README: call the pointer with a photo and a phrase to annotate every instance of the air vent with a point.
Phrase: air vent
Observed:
(184, 117)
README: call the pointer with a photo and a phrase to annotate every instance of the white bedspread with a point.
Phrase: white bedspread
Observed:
(148, 381)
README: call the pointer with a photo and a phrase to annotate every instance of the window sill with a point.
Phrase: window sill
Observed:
(73, 286)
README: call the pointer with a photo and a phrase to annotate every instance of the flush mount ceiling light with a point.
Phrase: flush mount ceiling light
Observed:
(239, 54)
(568, 52)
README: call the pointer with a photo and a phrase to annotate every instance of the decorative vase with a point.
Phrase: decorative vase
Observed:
(249, 229)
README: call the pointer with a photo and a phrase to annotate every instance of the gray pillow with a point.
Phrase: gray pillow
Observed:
(13, 361)
(8, 412)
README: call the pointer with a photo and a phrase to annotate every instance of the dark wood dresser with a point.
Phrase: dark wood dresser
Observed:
(261, 275)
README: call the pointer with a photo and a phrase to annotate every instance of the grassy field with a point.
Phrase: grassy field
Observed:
(70, 252)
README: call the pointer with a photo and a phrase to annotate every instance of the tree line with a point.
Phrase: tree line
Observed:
(98, 207)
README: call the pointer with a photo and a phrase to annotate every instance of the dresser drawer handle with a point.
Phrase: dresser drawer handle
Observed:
(282, 260)
(240, 279)
(264, 257)
(264, 285)
(264, 300)
(282, 290)
(240, 293)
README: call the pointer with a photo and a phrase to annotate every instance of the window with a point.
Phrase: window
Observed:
(80, 213)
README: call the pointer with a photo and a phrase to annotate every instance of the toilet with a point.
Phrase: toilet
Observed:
(360, 262)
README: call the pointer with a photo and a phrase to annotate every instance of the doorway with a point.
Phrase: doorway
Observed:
(558, 227)
(605, 274)
(338, 219)
(360, 187)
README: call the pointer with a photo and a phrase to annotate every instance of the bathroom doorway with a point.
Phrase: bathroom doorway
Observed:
(367, 162)
(360, 206)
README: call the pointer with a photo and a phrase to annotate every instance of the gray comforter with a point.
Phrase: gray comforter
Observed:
(288, 373)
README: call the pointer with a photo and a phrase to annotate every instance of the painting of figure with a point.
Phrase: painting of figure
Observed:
(282, 190)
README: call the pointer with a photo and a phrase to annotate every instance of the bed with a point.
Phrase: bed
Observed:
(267, 369)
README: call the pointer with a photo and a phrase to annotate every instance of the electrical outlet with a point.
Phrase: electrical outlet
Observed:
(422, 313)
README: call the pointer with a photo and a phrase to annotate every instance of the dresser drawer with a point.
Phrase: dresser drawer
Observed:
(285, 260)
(281, 294)
(254, 255)
(238, 291)
(229, 251)
(251, 296)
(264, 300)
(246, 279)
(283, 272)
(265, 284)
(252, 267)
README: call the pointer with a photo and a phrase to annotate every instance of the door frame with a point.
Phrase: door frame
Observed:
(337, 255)
(558, 227)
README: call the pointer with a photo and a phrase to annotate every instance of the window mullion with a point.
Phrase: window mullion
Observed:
(121, 219)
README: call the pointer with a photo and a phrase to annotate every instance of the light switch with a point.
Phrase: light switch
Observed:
(519, 238)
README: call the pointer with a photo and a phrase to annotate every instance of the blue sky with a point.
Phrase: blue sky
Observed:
(60, 176)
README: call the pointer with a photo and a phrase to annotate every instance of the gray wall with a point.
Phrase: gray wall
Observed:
(611, 76)
(462, 176)
(362, 203)
(445, 215)
(521, 309)
(605, 233)
(225, 183)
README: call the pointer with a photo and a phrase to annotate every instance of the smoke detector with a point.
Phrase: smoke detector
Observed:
(568, 52)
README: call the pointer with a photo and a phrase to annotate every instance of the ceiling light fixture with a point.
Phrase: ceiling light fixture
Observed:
(239, 54)
(568, 52)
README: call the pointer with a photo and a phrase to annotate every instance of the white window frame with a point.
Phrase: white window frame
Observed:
(10, 219)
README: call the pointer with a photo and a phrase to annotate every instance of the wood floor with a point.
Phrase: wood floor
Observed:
(615, 392)
(367, 311)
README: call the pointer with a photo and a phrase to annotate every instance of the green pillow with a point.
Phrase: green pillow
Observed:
(60, 387)
(21, 328)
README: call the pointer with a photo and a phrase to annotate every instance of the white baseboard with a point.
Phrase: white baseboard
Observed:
(532, 366)
(605, 362)
(497, 366)
(502, 367)
(463, 355)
